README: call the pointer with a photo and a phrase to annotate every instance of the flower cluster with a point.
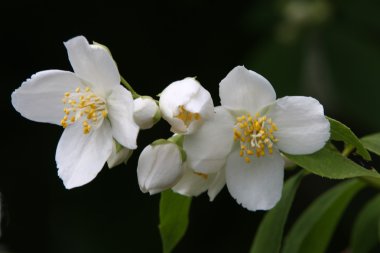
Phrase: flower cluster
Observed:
(237, 144)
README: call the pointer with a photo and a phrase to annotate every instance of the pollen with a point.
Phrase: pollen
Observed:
(186, 116)
(255, 135)
(82, 105)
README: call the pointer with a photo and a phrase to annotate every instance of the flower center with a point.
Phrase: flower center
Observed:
(83, 106)
(255, 135)
(186, 116)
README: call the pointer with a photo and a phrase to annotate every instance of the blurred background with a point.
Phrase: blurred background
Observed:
(326, 49)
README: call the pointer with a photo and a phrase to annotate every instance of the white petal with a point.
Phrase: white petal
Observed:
(93, 64)
(207, 149)
(256, 185)
(159, 167)
(191, 184)
(80, 156)
(40, 97)
(201, 102)
(146, 112)
(246, 90)
(120, 113)
(192, 96)
(302, 126)
(216, 183)
(119, 155)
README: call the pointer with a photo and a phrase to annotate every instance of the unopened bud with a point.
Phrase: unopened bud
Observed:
(146, 112)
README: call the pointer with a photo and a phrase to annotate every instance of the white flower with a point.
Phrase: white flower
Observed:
(159, 167)
(90, 104)
(194, 183)
(248, 132)
(185, 104)
(146, 112)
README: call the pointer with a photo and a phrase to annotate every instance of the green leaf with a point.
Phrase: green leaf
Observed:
(330, 163)
(269, 235)
(340, 132)
(364, 236)
(372, 143)
(312, 232)
(174, 218)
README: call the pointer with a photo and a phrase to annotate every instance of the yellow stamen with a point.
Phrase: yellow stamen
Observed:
(255, 135)
(86, 129)
(186, 116)
(83, 102)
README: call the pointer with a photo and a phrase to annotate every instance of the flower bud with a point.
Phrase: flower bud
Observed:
(119, 155)
(146, 112)
(185, 104)
(159, 167)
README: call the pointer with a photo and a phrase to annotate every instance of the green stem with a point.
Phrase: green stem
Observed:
(347, 150)
(373, 182)
(129, 87)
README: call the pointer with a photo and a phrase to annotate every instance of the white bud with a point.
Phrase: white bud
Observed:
(185, 104)
(146, 112)
(119, 155)
(101, 46)
(159, 167)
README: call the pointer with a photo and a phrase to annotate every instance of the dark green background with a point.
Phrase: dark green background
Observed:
(331, 53)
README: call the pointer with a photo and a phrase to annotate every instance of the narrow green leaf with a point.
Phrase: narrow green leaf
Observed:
(372, 143)
(174, 218)
(364, 236)
(312, 232)
(330, 163)
(340, 132)
(269, 235)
